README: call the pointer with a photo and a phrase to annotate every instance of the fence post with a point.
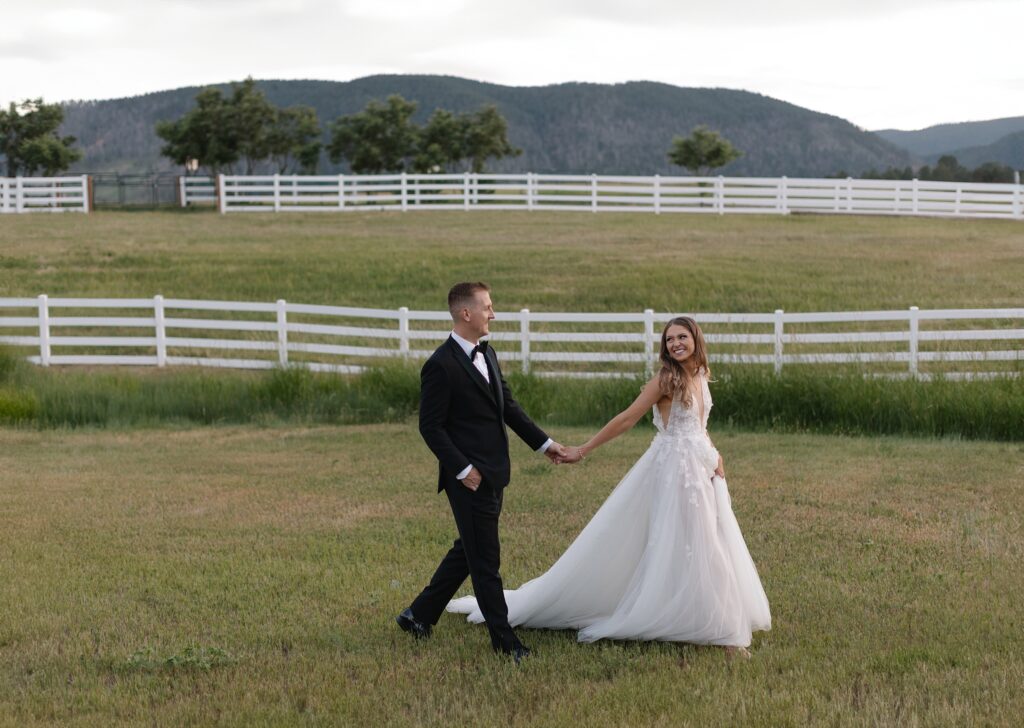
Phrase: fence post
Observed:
(524, 339)
(87, 202)
(476, 189)
(849, 194)
(465, 190)
(222, 202)
(913, 196)
(19, 195)
(778, 340)
(657, 194)
(341, 191)
(44, 330)
(783, 196)
(403, 331)
(182, 199)
(161, 330)
(956, 202)
(529, 190)
(277, 192)
(405, 193)
(720, 194)
(649, 341)
(593, 193)
(913, 340)
(282, 333)
(3, 195)
(1018, 194)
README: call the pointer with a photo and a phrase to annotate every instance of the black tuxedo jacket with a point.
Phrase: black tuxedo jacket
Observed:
(463, 418)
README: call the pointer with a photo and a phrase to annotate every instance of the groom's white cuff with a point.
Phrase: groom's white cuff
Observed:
(542, 449)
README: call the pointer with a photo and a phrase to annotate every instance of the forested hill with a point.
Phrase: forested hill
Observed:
(574, 127)
(941, 139)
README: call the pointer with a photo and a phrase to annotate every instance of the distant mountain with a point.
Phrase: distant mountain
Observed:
(1007, 150)
(573, 128)
(945, 138)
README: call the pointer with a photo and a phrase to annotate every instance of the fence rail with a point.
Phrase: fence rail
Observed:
(956, 343)
(600, 193)
(197, 190)
(44, 194)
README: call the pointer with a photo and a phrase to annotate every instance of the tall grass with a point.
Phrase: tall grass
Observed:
(805, 401)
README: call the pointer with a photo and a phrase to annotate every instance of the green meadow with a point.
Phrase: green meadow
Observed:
(190, 547)
(247, 576)
(541, 261)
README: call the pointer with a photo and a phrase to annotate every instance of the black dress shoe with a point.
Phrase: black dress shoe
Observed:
(412, 625)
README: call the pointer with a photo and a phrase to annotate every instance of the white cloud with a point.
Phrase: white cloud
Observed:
(876, 62)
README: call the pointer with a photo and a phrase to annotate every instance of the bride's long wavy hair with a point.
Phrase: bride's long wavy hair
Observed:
(673, 378)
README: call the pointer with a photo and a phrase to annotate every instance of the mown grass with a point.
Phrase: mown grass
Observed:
(540, 261)
(250, 576)
(796, 401)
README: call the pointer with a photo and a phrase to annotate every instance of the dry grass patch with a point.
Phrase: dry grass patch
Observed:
(250, 576)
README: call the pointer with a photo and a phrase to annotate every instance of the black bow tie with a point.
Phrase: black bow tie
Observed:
(479, 348)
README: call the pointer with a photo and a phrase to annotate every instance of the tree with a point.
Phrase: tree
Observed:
(702, 151)
(205, 133)
(487, 138)
(441, 143)
(29, 141)
(294, 139)
(219, 132)
(992, 172)
(380, 138)
(383, 138)
(252, 117)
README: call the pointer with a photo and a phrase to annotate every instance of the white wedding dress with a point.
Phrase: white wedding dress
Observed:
(662, 559)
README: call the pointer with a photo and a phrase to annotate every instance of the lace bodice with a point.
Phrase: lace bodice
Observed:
(686, 421)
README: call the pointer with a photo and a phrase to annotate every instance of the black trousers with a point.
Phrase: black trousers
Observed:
(476, 554)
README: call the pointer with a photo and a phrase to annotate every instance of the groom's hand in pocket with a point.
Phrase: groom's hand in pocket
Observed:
(472, 481)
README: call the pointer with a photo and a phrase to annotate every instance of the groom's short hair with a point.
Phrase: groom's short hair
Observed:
(462, 294)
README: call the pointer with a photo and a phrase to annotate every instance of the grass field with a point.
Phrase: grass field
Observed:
(541, 261)
(250, 576)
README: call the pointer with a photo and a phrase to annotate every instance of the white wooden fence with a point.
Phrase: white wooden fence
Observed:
(44, 194)
(166, 332)
(596, 193)
(196, 190)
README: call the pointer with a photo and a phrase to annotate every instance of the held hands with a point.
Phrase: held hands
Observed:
(569, 455)
(555, 452)
(720, 468)
(560, 454)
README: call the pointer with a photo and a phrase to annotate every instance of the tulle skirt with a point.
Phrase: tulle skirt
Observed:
(662, 559)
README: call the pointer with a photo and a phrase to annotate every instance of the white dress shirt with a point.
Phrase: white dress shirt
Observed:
(481, 364)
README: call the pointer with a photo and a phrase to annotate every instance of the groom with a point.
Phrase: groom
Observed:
(465, 405)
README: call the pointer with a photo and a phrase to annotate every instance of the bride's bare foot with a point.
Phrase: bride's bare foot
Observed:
(732, 652)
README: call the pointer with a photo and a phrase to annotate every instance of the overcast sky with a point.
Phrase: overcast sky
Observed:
(879, 63)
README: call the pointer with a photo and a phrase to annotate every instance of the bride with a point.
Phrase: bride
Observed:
(663, 558)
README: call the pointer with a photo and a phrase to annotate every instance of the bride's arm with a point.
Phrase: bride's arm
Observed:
(625, 420)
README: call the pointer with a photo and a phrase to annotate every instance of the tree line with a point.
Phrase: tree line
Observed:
(946, 169)
(242, 130)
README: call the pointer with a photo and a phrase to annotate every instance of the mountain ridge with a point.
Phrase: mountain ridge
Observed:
(624, 128)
